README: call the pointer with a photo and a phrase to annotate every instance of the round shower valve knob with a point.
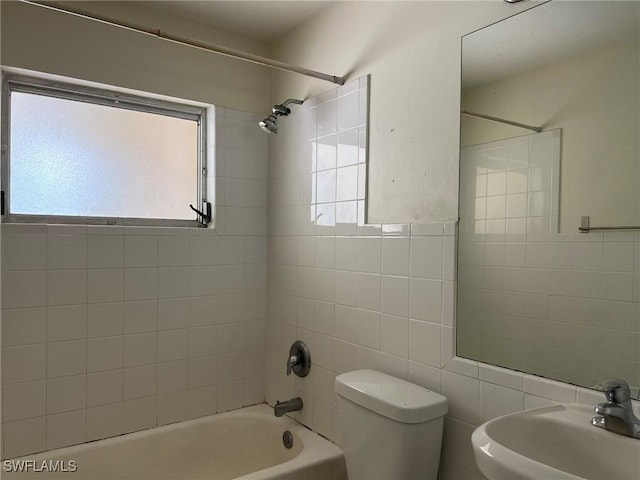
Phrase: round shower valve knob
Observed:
(299, 361)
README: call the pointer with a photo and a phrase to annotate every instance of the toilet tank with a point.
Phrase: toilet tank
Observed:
(391, 428)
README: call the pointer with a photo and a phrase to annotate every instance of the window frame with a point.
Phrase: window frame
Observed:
(109, 98)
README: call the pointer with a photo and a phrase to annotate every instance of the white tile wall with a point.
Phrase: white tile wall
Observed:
(393, 302)
(108, 330)
(359, 295)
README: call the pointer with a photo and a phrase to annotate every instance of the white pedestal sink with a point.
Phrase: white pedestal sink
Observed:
(554, 443)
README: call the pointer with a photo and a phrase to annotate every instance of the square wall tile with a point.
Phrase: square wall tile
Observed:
(23, 289)
(173, 282)
(394, 335)
(345, 288)
(104, 353)
(368, 326)
(140, 251)
(66, 394)
(202, 401)
(23, 400)
(369, 255)
(172, 345)
(66, 429)
(104, 421)
(24, 326)
(67, 287)
(345, 253)
(230, 396)
(348, 148)
(24, 251)
(395, 295)
(139, 382)
(463, 395)
(104, 387)
(67, 251)
(138, 414)
(172, 376)
(425, 300)
(368, 288)
(140, 349)
(348, 111)
(327, 118)
(105, 251)
(395, 256)
(326, 185)
(24, 437)
(426, 257)
(347, 184)
(202, 371)
(24, 363)
(140, 317)
(66, 323)
(173, 250)
(105, 319)
(496, 401)
(105, 285)
(172, 407)
(140, 283)
(66, 358)
(425, 343)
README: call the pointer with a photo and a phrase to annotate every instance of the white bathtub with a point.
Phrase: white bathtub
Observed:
(243, 444)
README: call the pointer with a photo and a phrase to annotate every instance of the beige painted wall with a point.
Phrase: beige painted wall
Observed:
(412, 51)
(594, 99)
(43, 40)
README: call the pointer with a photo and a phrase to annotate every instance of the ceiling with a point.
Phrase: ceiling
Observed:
(261, 20)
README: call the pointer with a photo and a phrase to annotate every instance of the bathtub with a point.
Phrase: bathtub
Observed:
(242, 444)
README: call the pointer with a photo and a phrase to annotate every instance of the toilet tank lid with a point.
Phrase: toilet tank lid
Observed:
(390, 396)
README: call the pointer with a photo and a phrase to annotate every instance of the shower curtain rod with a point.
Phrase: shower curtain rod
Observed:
(222, 50)
(501, 120)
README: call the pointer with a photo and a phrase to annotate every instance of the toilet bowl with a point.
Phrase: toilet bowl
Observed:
(391, 428)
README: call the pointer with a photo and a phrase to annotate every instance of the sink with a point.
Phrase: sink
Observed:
(554, 443)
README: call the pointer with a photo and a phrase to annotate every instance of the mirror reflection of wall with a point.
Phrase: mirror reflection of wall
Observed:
(569, 65)
(533, 293)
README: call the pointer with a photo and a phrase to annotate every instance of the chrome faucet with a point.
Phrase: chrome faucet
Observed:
(616, 414)
(287, 406)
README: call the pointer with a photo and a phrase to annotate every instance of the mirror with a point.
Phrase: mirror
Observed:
(534, 293)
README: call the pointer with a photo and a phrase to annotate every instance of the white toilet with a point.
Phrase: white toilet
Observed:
(391, 429)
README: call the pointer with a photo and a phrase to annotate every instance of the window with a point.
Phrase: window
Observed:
(78, 155)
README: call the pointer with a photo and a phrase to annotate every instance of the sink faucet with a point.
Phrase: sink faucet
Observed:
(616, 414)
(287, 406)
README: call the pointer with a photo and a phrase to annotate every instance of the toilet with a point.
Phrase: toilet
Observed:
(391, 428)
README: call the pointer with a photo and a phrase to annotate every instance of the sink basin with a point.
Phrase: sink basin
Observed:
(554, 443)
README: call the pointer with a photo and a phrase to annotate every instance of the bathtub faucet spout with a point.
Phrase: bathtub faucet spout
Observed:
(287, 406)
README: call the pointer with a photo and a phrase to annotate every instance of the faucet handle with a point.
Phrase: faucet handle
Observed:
(616, 390)
(291, 362)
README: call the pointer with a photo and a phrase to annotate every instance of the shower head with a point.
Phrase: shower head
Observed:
(270, 124)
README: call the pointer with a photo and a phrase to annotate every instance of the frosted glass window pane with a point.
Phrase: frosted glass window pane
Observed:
(80, 159)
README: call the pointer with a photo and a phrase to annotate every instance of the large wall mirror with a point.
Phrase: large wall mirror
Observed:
(550, 133)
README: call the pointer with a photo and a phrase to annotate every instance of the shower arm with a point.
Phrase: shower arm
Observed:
(210, 47)
(282, 110)
(501, 120)
(292, 100)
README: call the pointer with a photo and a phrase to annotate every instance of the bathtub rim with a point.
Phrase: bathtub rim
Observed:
(315, 448)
